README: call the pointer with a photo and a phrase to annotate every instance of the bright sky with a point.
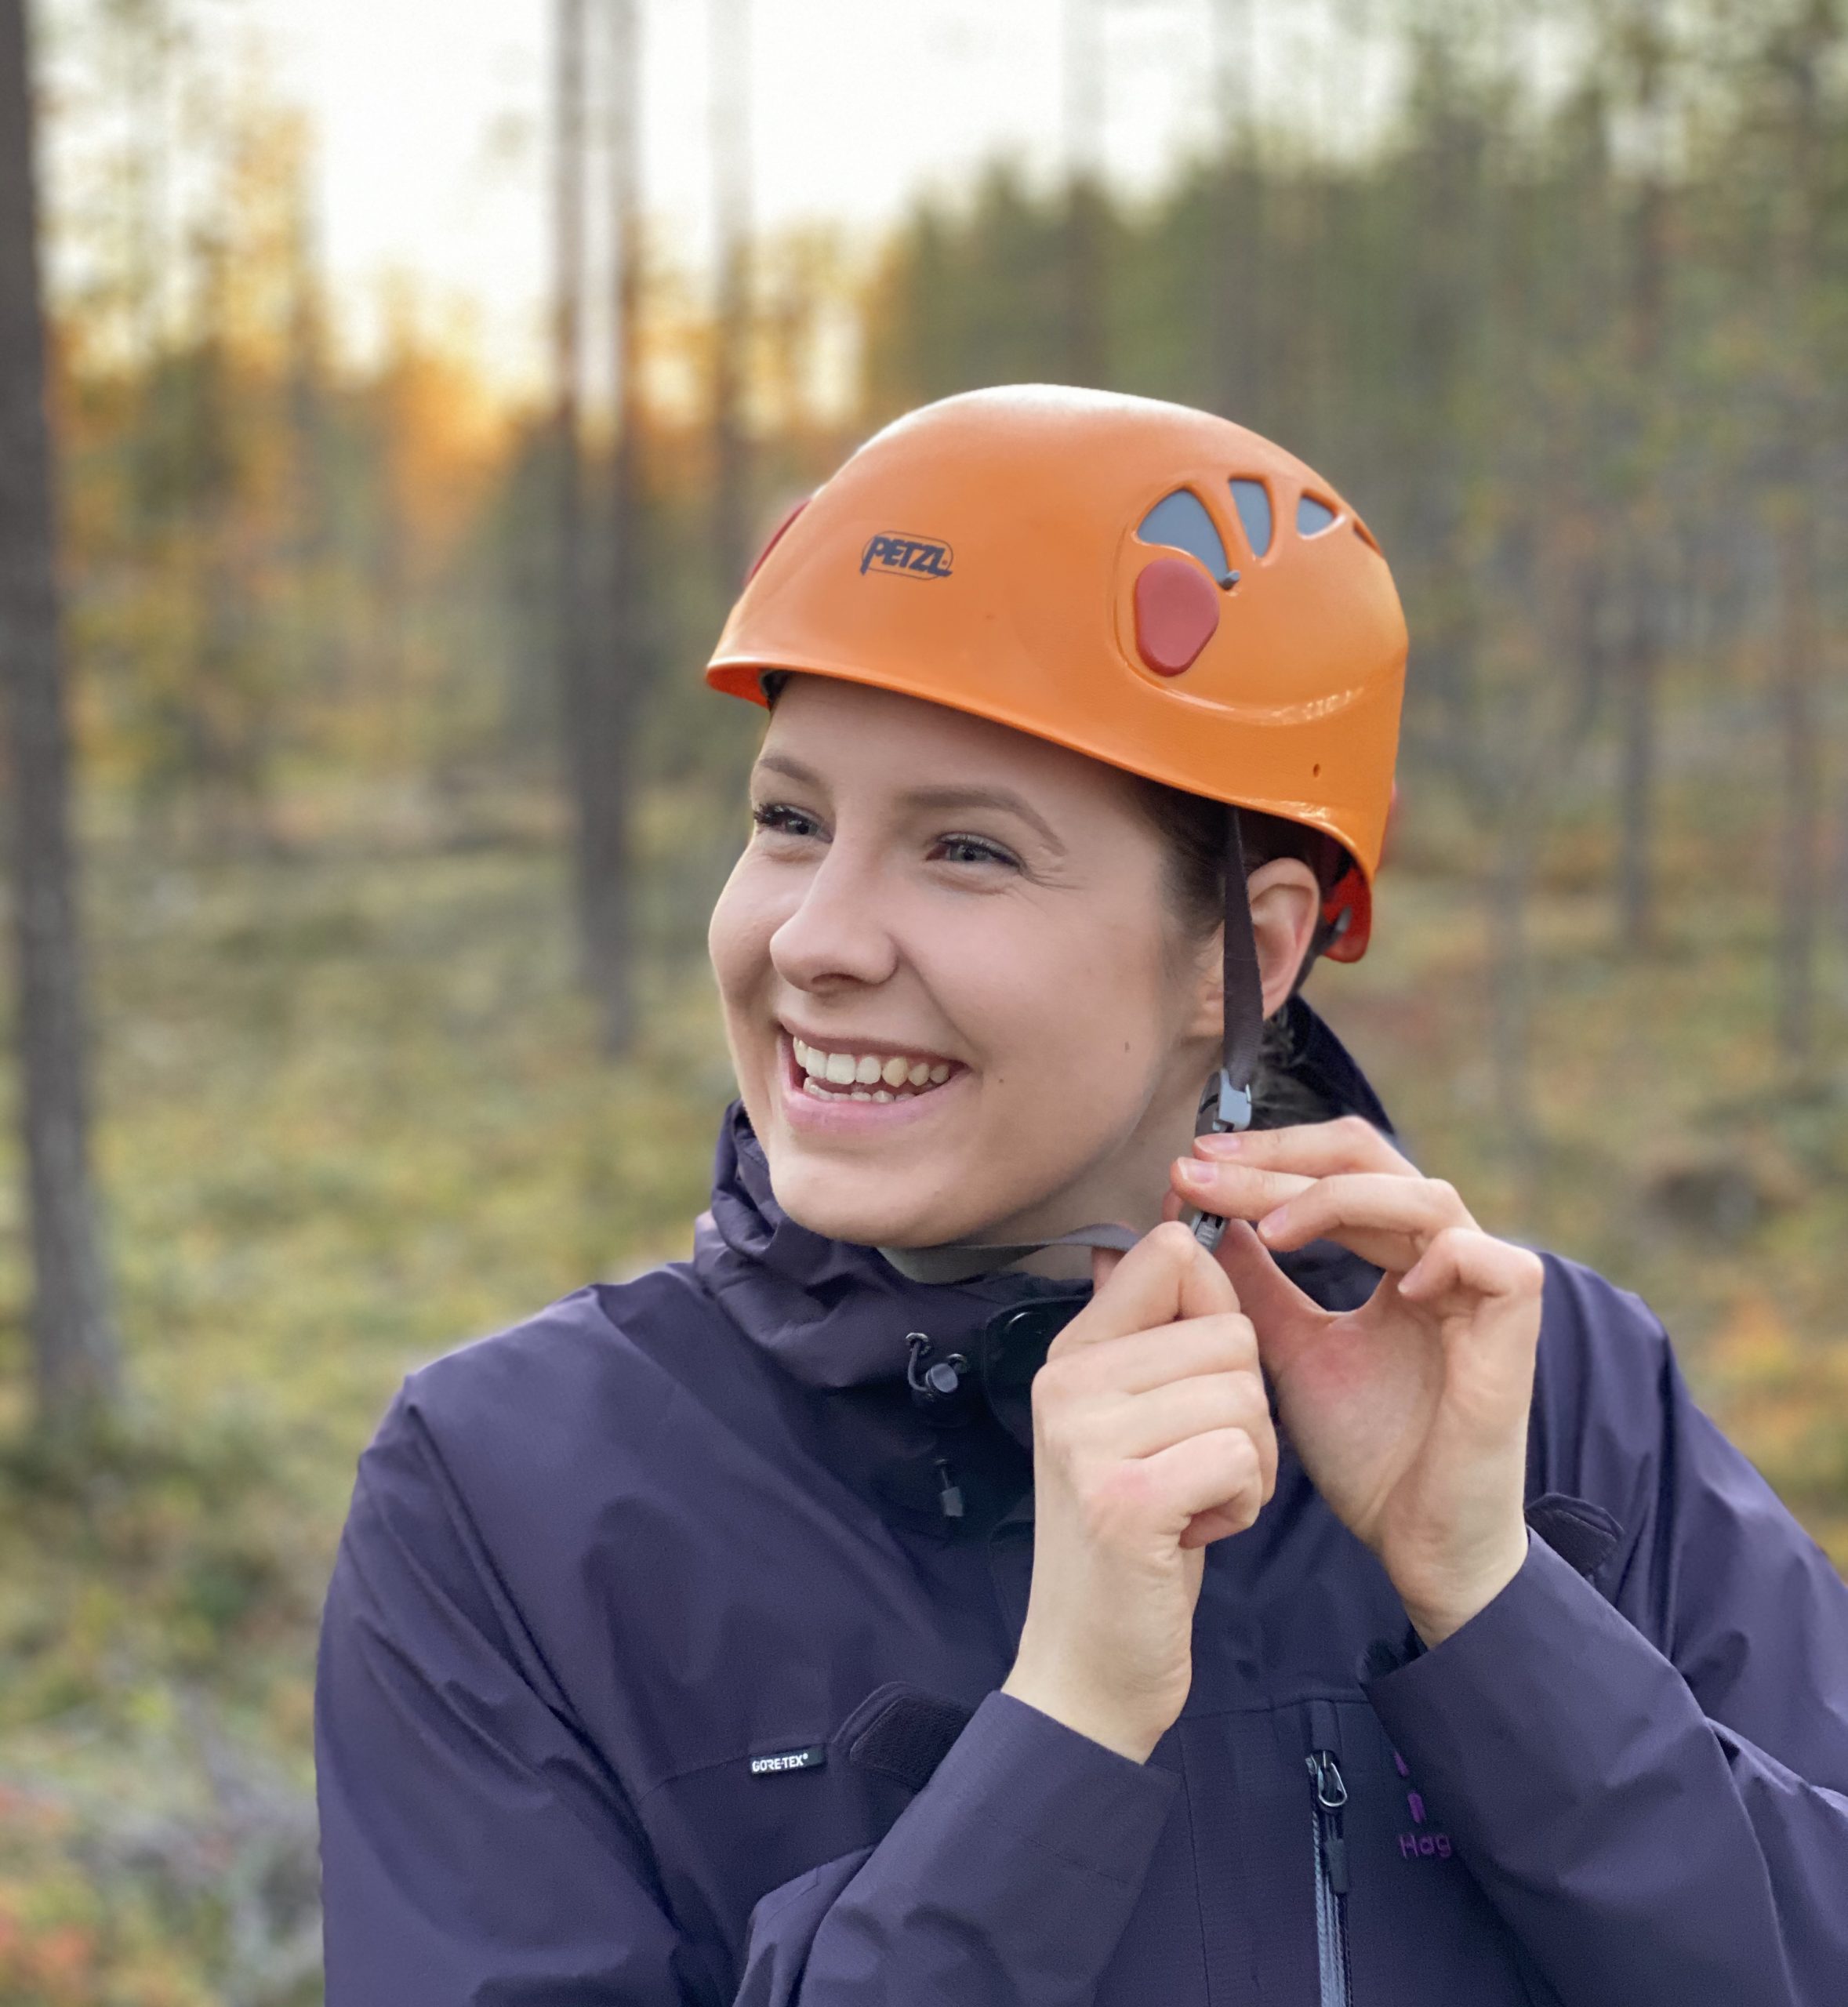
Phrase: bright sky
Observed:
(432, 115)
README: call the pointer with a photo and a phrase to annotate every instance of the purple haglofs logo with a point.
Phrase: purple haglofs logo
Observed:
(909, 557)
(1419, 1844)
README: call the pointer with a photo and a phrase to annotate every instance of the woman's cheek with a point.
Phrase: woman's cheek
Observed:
(738, 944)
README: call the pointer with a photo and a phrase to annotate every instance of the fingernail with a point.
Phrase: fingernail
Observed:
(1193, 1173)
(1224, 1144)
(1274, 1224)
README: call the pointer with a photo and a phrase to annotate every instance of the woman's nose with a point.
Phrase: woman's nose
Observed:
(839, 934)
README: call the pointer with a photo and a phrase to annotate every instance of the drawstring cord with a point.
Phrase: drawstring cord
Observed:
(941, 1392)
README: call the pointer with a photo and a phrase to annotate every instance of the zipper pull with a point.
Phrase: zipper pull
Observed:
(949, 1493)
(1332, 1794)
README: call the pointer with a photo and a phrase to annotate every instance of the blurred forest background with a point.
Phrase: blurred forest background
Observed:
(399, 805)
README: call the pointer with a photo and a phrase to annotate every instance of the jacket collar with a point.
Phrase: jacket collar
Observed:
(835, 1315)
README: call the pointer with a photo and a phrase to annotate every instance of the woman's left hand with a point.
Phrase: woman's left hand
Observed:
(1410, 1413)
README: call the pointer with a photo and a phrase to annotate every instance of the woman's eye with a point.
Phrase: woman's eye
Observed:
(777, 816)
(973, 849)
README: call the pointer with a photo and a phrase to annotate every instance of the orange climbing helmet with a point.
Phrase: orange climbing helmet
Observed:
(1151, 586)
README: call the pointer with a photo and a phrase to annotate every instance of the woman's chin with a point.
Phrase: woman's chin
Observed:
(858, 1207)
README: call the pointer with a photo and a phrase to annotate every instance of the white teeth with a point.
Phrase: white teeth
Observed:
(892, 1079)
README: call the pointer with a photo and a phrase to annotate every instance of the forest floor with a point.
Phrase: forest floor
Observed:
(354, 1115)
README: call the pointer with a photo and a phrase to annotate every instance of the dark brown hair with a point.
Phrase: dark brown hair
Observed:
(1193, 830)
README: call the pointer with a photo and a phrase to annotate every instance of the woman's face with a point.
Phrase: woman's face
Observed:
(957, 999)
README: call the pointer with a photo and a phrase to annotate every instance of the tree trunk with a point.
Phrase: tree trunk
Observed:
(1235, 374)
(1799, 875)
(74, 1352)
(577, 678)
(731, 192)
(1084, 218)
(1640, 669)
(609, 805)
(1799, 644)
(1640, 666)
(1637, 764)
(1507, 886)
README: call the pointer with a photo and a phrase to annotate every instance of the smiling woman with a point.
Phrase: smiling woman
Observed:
(958, 1583)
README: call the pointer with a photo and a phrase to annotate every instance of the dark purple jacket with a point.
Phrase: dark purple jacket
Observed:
(655, 1670)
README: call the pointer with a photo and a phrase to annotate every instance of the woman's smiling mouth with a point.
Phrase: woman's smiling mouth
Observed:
(851, 1071)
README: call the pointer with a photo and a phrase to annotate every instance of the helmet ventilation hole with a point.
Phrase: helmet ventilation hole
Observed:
(1313, 516)
(1252, 499)
(1181, 521)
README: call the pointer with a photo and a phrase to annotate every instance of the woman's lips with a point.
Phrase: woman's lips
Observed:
(825, 1106)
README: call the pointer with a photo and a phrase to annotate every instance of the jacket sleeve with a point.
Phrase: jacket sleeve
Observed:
(1007, 1881)
(476, 1849)
(1649, 1782)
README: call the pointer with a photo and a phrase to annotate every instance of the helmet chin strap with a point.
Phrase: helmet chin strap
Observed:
(1243, 1036)
(960, 1262)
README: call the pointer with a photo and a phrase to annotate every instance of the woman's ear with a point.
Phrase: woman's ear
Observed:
(1285, 904)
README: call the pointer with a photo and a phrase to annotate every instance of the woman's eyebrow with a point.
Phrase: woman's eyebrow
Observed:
(1001, 798)
(792, 769)
(939, 799)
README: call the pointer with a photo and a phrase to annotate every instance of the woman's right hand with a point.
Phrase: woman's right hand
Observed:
(1152, 1438)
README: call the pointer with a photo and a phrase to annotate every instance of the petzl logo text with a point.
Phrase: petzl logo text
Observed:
(916, 556)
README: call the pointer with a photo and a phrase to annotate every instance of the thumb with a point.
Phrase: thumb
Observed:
(1283, 1318)
(1103, 1265)
(1166, 1276)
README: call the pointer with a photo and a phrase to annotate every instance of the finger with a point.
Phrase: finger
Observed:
(1281, 1315)
(1313, 1149)
(1132, 1364)
(1388, 1220)
(1464, 1262)
(1234, 1190)
(1218, 1524)
(1165, 1416)
(1219, 1472)
(1166, 1276)
(1104, 1262)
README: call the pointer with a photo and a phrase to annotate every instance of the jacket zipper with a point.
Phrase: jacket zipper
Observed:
(1330, 1792)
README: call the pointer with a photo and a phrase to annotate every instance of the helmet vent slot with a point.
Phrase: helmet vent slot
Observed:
(1313, 517)
(1252, 499)
(1180, 521)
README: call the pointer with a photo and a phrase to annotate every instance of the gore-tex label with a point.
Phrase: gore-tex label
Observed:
(811, 1758)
